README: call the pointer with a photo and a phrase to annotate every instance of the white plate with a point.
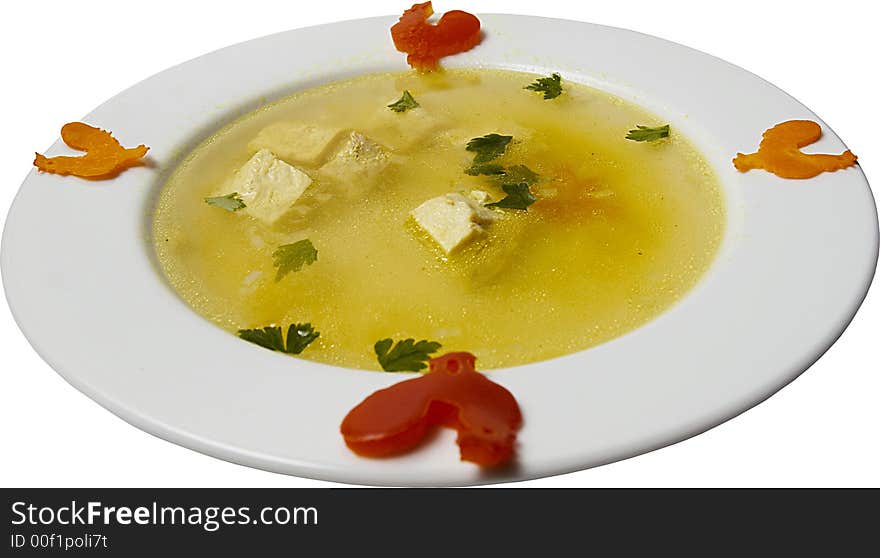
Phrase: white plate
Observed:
(795, 264)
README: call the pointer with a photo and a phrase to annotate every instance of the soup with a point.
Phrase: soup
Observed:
(616, 233)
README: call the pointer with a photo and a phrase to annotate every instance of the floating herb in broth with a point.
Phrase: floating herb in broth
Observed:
(550, 86)
(615, 234)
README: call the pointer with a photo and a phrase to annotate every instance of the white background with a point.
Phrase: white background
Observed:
(60, 59)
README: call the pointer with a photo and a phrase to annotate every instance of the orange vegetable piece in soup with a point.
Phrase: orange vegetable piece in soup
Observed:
(425, 43)
(452, 394)
(104, 158)
(780, 152)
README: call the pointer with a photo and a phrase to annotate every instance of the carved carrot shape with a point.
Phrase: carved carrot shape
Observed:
(452, 394)
(104, 158)
(780, 152)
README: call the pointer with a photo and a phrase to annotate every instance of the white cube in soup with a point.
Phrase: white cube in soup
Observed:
(301, 143)
(481, 197)
(268, 186)
(357, 161)
(452, 220)
(401, 131)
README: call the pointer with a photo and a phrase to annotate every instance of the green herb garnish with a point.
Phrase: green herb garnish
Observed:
(292, 257)
(646, 133)
(484, 168)
(488, 147)
(551, 86)
(229, 202)
(518, 197)
(515, 180)
(518, 174)
(406, 355)
(298, 337)
(405, 103)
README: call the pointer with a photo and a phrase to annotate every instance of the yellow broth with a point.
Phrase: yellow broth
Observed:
(621, 229)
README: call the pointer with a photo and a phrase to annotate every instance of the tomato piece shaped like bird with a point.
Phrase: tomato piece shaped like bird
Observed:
(426, 43)
(452, 394)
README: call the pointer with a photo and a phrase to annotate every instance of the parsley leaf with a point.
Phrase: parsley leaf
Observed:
(406, 355)
(505, 175)
(488, 147)
(405, 103)
(519, 174)
(645, 133)
(298, 337)
(292, 257)
(518, 197)
(515, 180)
(229, 202)
(484, 168)
(268, 337)
(551, 86)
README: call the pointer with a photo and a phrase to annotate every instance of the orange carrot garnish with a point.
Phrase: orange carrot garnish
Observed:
(780, 152)
(452, 394)
(425, 43)
(104, 158)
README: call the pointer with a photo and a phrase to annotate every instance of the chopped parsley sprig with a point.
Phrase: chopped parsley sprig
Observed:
(519, 174)
(299, 336)
(488, 148)
(646, 133)
(550, 86)
(518, 197)
(229, 202)
(514, 180)
(488, 169)
(405, 356)
(405, 103)
(292, 257)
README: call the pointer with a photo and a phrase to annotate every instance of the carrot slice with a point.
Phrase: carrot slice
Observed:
(452, 394)
(104, 158)
(779, 152)
(426, 44)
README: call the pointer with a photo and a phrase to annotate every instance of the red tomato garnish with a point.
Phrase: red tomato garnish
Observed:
(426, 44)
(452, 394)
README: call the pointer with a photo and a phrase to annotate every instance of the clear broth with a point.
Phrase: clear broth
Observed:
(621, 230)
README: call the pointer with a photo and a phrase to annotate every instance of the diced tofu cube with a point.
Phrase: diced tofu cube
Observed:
(296, 142)
(403, 130)
(452, 220)
(268, 186)
(479, 196)
(356, 162)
